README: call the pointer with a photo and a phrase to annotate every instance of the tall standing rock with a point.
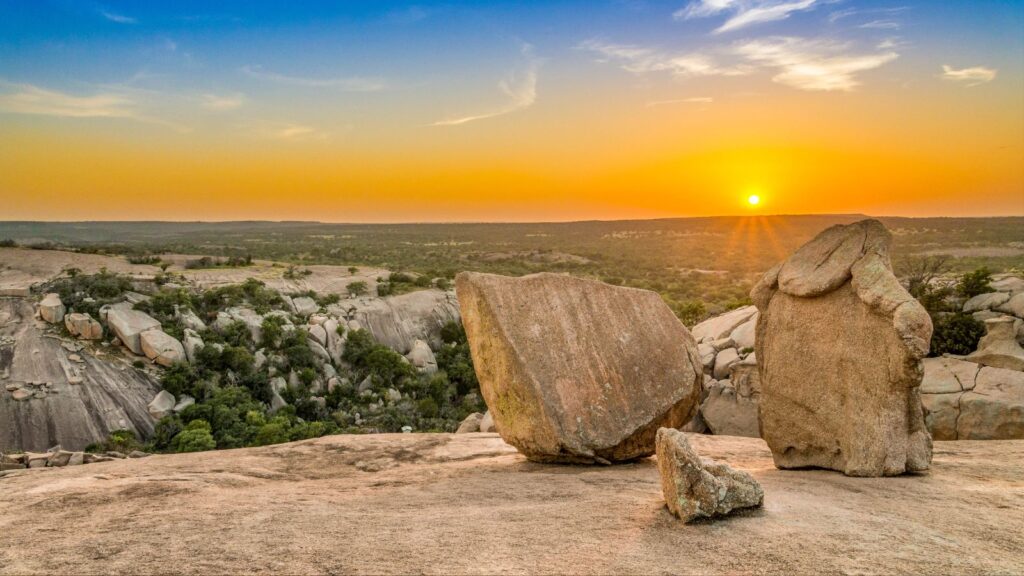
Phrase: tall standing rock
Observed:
(575, 370)
(839, 348)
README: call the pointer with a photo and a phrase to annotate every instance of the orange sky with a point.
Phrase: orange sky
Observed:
(545, 132)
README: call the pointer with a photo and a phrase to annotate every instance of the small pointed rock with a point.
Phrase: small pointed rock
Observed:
(696, 487)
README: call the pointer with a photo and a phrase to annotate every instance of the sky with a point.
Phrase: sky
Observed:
(509, 111)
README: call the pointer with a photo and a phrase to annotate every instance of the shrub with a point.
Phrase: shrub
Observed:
(357, 288)
(9, 243)
(955, 334)
(196, 437)
(974, 283)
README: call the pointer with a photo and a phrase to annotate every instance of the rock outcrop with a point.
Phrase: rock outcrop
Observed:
(730, 407)
(575, 370)
(51, 308)
(999, 347)
(422, 357)
(696, 487)
(129, 325)
(162, 405)
(967, 401)
(839, 346)
(83, 326)
(470, 424)
(161, 347)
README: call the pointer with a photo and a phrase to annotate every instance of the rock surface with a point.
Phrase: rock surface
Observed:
(51, 308)
(162, 405)
(128, 325)
(696, 487)
(161, 347)
(998, 347)
(86, 400)
(839, 348)
(574, 370)
(83, 326)
(525, 518)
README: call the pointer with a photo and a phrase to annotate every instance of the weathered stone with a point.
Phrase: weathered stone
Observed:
(21, 394)
(707, 356)
(744, 335)
(722, 326)
(945, 375)
(422, 357)
(138, 454)
(189, 320)
(941, 414)
(305, 306)
(724, 361)
(51, 308)
(470, 423)
(730, 407)
(128, 325)
(994, 409)
(162, 405)
(161, 347)
(185, 402)
(1007, 283)
(696, 487)
(575, 370)
(487, 423)
(839, 348)
(83, 326)
(317, 333)
(985, 301)
(193, 343)
(59, 458)
(999, 347)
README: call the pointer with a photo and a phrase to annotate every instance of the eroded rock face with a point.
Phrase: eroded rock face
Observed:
(839, 347)
(161, 347)
(575, 370)
(51, 308)
(128, 325)
(83, 326)
(999, 347)
(696, 487)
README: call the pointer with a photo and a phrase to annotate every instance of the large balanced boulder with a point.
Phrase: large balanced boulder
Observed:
(161, 347)
(51, 308)
(128, 325)
(839, 347)
(696, 487)
(575, 370)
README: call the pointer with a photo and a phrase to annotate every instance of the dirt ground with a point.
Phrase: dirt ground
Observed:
(469, 504)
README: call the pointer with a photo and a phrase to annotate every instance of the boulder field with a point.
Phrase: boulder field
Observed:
(470, 504)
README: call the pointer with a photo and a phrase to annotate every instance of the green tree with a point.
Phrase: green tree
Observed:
(196, 437)
(974, 283)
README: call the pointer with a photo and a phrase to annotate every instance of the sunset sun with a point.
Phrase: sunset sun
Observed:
(753, 199)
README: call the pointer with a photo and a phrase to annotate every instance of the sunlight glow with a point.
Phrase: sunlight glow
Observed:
(753, 199)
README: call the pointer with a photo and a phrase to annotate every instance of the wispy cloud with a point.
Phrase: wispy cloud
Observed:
(347, 84)
(743, 13)
(221, 103)
(519, 88)
(638, 60)
(848, 12)
(30, 99)
(694, 100)
(881, 25)
(970, 76)
(286, 131)
(119, 18)
(812, 64)
(113, 102)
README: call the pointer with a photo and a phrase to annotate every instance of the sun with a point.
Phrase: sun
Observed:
(753, 199)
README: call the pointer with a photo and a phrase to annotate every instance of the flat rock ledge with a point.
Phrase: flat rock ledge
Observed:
(696, 487)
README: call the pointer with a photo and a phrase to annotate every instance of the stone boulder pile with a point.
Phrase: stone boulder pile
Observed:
(839, 344)
(731, 382)
(57, 458)
(574, 370)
